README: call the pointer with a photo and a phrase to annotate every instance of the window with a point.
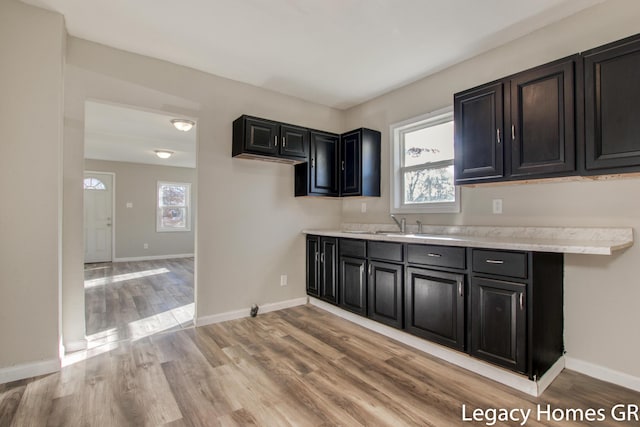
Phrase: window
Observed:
(422, 165)
(174, 206)
(94, 184)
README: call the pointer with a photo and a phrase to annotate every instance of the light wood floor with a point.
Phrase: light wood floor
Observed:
(129, 300)
(299, 367)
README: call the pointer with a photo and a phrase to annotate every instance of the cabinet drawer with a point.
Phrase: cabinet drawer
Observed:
(353, 248)
(440, 256)
(512, 264)
(386, 251)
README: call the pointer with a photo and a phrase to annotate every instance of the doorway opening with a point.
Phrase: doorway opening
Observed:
(139, 236)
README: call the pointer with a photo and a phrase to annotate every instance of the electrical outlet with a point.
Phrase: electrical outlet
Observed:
(129, 204)
(363, 207)
(283, 280)
(145, 246)
(497, 206)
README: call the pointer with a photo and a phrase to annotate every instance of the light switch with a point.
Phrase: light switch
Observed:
(497, 206)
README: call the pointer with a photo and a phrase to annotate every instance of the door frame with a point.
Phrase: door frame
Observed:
(113, 211)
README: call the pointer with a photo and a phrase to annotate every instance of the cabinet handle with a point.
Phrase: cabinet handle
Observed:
(498, 135)
(284, 142)
(343, 165)
(322, 257)
(460, 288)
(317, 256)
(275, 140)
(369, 269)
(313, 162)
(513, 132)
(521, 300)
(434, 255)
(494, 261)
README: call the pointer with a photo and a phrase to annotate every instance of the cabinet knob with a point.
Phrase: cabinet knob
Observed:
(498, 135)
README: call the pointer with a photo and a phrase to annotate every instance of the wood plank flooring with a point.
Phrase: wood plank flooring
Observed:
(129, 300)
(295, 367)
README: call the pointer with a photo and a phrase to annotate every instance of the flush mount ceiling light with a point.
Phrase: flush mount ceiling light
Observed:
(163, 154)
(183, 124)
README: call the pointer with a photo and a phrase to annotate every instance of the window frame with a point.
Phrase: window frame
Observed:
(396, 134)
(187, 206)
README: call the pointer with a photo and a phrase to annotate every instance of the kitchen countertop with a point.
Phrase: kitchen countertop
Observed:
(570, 240)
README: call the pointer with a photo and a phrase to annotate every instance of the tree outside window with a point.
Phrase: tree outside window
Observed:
(174, 206)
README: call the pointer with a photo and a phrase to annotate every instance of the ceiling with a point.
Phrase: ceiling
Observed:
(337, 53)
(123, 134)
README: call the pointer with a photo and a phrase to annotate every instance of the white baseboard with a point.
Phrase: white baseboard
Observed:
(603, 373)
(503, 376)
(28, 370)
(73, 346)
(245, 312)
(152, 257)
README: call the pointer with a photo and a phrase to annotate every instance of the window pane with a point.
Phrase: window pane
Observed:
(430, 144)
(172, 195)
(429, 185)
(94, 184)
(173, 218)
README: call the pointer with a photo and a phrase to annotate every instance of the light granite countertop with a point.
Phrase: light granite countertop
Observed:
(570, 240)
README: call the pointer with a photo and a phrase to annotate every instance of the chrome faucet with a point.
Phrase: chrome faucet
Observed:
(419, 226)
(402, 224)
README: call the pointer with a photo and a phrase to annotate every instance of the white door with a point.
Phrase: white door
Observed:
(98, 214)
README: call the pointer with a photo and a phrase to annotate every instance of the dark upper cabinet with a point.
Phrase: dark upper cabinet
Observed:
(263, 139)
(519, 128)
(341, 165)
(294, 142)
(319, 176)
(498, 322)
(479, 133)
(542, 120)
(360, 163)
(385, 300)
(313, 265)
(612, 107)
(434, 306)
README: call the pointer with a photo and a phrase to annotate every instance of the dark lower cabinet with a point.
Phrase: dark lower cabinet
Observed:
(322, 267)
(353, 284)
(385, 293)
(329, 269)
(498, 322)
(313, 265)
(612, 107)
(434, 306)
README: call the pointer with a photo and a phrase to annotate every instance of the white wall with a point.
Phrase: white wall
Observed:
(248, 222)
(601, 317)
(31, 77)
(137, 183)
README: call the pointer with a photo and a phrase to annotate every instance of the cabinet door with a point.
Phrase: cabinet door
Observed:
(261, 136)
(498, 322)
(385, 293)
(329, 269)
(434, 304)
(612, 106)
(353, 284)
(294, 141)
(542, 126)
(324, 164)
(479, 133)
(351, 164)
(313, 265)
